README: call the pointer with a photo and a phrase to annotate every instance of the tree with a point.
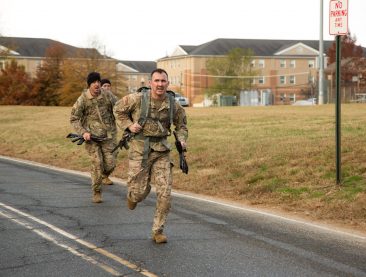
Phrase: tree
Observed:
(349, 49)
(15, 85)
(223, 71)
(48, 79)
(75, 71)
(351, 55)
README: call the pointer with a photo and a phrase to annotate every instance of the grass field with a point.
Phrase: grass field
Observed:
(280, 157)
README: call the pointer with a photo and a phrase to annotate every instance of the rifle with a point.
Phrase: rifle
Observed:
(182, 158)
(123, 143)
(80, 140)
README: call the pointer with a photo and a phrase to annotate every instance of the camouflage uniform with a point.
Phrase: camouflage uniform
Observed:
(95, 115)
(157, 168)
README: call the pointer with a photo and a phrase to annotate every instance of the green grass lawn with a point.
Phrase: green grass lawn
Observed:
(275, 156)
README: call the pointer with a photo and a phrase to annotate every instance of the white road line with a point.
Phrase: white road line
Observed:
(52, 239)
(89, 245)
(328, 229)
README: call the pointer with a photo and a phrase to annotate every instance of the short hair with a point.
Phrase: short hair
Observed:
(159, 70)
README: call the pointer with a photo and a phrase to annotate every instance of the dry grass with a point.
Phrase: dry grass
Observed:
(278, 156)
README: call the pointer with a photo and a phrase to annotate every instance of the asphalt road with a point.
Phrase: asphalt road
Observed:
(50, 227)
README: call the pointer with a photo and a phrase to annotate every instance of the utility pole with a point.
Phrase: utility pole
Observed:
(321, 58)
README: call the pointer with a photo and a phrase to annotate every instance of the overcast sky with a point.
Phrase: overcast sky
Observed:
(149, 30)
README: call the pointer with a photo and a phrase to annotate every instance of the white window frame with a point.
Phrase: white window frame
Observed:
(311, 79)
(283, 97)
(311, 63)
(283, 80)
(292, 80)
(261, 80)
(292, 97)
(282, 63)
(293, 64)
(261, 63)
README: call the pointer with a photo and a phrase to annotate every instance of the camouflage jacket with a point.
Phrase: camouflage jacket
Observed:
(157, 125)
(94, 114)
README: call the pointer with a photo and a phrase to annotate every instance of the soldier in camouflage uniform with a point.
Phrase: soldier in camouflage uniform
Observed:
(149, 154)
(92, 114)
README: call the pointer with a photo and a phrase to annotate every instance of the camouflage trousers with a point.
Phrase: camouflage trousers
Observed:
(158, 171)
(103, 161)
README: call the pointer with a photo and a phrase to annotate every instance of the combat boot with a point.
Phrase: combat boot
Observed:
(159, 238)
(130, 204)
(106, 181)
(97, 197)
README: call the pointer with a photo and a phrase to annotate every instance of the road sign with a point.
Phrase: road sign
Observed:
(338, 17)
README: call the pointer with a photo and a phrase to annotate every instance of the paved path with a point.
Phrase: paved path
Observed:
(49, 227)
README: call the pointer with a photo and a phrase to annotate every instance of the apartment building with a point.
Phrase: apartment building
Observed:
(287, 68)
(31, 52)
(135, 74)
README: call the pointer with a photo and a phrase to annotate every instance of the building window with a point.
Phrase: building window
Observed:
(261, 80)
(283, 63)
(292, 97)
(142, 81)
(311, 79)
(252, 63)
(282, 80)
(2, 65)
(292, 80)
(293, 63)
(261, 63)
(283, 97)
(311, 63)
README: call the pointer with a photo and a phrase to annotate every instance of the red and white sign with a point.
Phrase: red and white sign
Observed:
(338, 17)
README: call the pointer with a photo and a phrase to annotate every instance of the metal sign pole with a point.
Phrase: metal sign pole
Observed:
(338, 110)
(321, 58)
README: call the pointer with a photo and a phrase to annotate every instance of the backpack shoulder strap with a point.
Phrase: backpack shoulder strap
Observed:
(171, 107)
(145, 103)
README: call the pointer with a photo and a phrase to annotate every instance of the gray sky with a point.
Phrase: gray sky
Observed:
(149, 30)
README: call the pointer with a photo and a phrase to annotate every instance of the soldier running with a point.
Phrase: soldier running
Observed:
(148, 116)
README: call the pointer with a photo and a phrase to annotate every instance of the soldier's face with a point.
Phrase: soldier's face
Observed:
(159, 84)
(95, 88)
(106, 86)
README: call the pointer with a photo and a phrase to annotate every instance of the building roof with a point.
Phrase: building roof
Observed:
(37, 47)
(140, 66)
(260, 47)
(188, 48)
